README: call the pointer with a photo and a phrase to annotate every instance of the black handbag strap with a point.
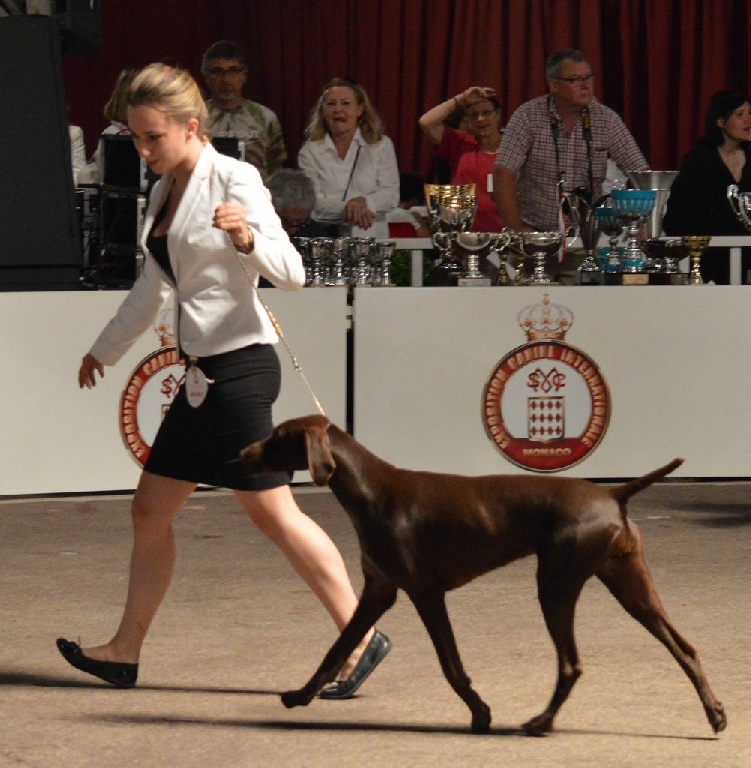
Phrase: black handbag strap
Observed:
(352, 172)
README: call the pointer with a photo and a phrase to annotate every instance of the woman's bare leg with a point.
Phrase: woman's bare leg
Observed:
(156, 502)
(308, 548)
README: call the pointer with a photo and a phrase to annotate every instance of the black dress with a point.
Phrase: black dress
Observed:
(698, 205)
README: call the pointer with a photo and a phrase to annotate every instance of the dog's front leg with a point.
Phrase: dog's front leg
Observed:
(432, 609)
(377, 597)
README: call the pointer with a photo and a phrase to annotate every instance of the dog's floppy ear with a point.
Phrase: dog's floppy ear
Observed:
(320, 461)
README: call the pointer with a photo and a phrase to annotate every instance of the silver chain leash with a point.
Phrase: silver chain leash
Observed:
(277, 327)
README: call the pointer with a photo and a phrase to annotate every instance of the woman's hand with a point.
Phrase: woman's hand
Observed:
(474, 94)
(87, 372)
(356, 212)
(230, 217)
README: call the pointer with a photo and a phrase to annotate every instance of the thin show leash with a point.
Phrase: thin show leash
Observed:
(277, 327)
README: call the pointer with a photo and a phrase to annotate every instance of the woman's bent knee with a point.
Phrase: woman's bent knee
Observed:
(158, 499)
(271, 511)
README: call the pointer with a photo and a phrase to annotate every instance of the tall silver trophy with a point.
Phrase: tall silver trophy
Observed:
(451, 209)
(382, 256)
(612, 228)
(632, 207)
(582, 211)
(659, 182)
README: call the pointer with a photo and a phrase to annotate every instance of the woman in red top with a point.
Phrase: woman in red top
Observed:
(470, 154)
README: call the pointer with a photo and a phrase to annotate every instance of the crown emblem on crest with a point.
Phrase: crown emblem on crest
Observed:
(545, 320)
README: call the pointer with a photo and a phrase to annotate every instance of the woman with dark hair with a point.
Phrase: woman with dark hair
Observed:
(698, 202)
(351, 163)
(470, 149)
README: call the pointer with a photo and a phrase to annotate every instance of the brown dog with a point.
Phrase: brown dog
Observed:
(428, 533)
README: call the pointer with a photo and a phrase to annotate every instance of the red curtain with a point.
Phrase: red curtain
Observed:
(657, 61)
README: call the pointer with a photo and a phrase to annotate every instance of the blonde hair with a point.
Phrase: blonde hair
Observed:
(116, 108)
(370, 124)
(172, 91)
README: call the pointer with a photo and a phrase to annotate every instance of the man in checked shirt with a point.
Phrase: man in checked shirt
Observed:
(559, 143)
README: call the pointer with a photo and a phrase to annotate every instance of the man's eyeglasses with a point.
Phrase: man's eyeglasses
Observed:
(230, 71)
(580, 80)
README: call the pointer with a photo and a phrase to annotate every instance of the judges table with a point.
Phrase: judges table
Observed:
(676, 362)
(57, 438)
(418, 247)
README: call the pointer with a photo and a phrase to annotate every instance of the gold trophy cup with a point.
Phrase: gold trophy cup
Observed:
(451, 210)
(696, 245)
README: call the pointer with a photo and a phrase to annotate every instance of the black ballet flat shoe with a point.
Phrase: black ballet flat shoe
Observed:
(374, 653)
(116, 673)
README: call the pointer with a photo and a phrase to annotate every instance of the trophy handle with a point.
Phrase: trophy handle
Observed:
(732, 194)
(502, 240)
(736, 204)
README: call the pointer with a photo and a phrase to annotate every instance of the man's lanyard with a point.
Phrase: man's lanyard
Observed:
(555, 129)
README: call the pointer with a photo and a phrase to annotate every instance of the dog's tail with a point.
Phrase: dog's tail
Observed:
(623, 493)
(627, 539)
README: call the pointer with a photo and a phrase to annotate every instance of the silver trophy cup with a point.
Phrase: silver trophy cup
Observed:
(740, 202)
(659, 182)
(540, 245)
(476, 246)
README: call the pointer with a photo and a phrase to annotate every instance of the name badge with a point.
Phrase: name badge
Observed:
(196, 384)
(490, 182)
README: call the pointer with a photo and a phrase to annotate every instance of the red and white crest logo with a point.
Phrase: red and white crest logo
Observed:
(150, 391)
(546, 406)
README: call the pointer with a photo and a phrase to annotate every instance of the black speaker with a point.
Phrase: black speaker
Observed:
(121, 218)
(229, 146)
(81, 24)
(41, 238)
(121, 167)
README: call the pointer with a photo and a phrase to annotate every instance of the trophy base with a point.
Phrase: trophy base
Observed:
(473, 282)
(669, 278)
(589, 278)
(634, 278)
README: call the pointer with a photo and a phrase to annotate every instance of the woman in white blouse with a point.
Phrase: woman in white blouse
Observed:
(351, 163)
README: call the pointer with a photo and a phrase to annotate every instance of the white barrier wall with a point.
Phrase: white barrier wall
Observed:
(677, 361)
(56, 438)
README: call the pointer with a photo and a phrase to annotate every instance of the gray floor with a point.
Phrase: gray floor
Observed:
(238, 627)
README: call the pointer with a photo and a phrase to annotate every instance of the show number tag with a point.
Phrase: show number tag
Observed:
(196, 385)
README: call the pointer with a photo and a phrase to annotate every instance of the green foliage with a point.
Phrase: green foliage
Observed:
(401, 268)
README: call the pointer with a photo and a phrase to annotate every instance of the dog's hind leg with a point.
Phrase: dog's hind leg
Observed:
(377, 597)
(629, 580)
(432, 610)
(559, 585)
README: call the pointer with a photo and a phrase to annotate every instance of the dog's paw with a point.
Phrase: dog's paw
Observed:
(717, 718)
(481, 719)
(299, 698)
(539, 726)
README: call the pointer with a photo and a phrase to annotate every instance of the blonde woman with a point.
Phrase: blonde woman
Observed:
(209, 220)
(351, 163)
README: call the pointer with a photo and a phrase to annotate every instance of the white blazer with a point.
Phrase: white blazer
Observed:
(217, 309)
